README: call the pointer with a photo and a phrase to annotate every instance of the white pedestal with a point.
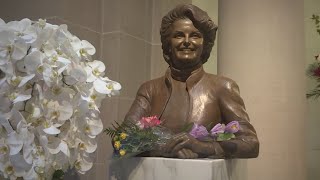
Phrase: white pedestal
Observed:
(177, 169)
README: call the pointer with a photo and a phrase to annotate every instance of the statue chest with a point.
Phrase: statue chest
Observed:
(182, 107)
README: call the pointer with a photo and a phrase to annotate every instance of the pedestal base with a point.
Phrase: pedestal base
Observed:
(177, 169)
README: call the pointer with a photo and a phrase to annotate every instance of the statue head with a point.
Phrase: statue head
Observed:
(200, 20)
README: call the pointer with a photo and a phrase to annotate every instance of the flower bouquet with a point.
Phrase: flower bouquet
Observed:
(50, 93)
(130, 139)
(147, 134)
(219, 132)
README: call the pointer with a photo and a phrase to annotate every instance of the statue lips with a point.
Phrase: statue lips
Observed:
(187, 50)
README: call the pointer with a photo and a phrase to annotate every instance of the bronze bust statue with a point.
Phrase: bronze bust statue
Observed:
(186, 93)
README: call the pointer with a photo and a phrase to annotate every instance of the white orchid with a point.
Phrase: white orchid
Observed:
(11, 47)
(50, 94)
(23, 29)
(94, 70)
(83, 165)
(106, 86)
(9, 171)
(83, 48)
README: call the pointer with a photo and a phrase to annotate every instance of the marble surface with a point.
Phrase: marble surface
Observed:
(151, 168)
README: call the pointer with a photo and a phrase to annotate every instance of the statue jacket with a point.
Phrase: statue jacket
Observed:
(212, 99)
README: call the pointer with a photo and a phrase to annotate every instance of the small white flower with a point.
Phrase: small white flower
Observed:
(60, 112)
(93, 127)
(94, 70)
(106, 87)
(11, 47)
(82, 165)
(87, 144)
(23, 29)
(83, 48)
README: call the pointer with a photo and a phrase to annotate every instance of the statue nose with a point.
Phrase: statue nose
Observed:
(186, 42)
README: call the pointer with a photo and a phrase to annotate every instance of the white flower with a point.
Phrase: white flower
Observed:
(83, 48)
(60, 112)
(82, 165)
(11, 47)
(20, 81)
(23, 29)
(106, 86)
(93, 127)
(50, 94)
(56, 145)
(9, 171)
(87, 144)
(75, 74)
(94, 70)
(34, 62)
(4, 149)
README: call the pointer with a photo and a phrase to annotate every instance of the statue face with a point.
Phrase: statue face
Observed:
(186, 44)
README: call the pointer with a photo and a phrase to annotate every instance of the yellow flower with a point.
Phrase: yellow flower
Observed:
(117, 145)
(122, 152)
(123, 136)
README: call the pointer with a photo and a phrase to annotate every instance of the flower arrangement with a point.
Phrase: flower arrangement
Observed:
(50, 93)
(313, 70)
(219, 132)
(130, 139)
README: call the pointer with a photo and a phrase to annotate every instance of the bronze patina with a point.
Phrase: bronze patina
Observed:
(186, 93)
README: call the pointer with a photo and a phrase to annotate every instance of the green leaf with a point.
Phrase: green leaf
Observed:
(315, 93)
(118, 128)
(225, 136)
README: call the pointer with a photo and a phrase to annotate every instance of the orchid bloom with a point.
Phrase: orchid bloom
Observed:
(94, 70)
(23, 29)
(107, 87)
(82, 165)
(83, 48)
(11, 47)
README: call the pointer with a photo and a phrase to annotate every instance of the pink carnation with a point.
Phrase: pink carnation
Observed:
(147, 122)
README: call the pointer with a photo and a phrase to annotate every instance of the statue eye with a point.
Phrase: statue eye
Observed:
(196, 35)
(178, 35)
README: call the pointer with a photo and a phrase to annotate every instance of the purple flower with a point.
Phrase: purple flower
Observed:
(198, 131)
(217, 129)
(232, 127)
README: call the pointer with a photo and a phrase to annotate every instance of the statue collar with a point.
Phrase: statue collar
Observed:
(191, 78)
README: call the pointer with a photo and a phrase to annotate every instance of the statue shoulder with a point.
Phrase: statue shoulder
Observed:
(152, 84)
(224, 83)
